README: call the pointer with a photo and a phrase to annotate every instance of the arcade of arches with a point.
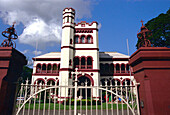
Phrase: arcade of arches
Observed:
(110, 69)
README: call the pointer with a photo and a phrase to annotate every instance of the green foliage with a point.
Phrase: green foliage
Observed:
(160, 27)
(26, 73)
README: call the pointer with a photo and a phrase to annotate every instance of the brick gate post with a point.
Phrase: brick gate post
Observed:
(151, 67)
(11, 66)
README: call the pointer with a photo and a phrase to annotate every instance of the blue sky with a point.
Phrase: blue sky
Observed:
(40, 22)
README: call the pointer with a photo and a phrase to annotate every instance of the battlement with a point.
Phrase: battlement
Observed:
(69, 10)
(84, 24)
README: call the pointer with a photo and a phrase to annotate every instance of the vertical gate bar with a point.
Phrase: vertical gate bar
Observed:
(54, 97)
(81, 101)
(137, 99)
(106, 97)
(34, 98)
(26, 88)
(49, 99)
(65, 102)
(20, 95)
(112, 98)
(91, 98)
(101, 100)
(117, 107)
(96, 101)
(29, 100)
(29, 106)
(39, 101)
(86, 96)
(131, 90)
(59, 99)
(70, 101)
(44, 99)
(127, 96)
(122, 97)
(75, 97)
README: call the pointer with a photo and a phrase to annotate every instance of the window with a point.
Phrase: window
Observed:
(127, 68)
(55, 68)
(83, 61)
(49, 68)
(70, 62)
(106, 69)
(67, 18)
(76, 62)
(123, 68)
(76, 39)
(89, 40)
(44, 68)
(89, 63)
(117, 68)
(101, 69)
(111, 69)
(58, 68)
(71, 41)
(38, 68)
(83, 39)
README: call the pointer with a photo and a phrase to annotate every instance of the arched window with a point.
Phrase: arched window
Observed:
(49, 68)
(127, 81)
(115, 81)
(67, 18)
(70, 62)
(101, 69)
(51, 82)
(117, 68)
(44, 68)
(55, 68)
(83, 62)
(123, 68)
(58, 68)
(82, 39)
(106, 67)
(89, 63)
(38, 68)
(40, 82)
(76, 39)
(89, 39)
(127, 68)
(111, 69)
(76, 62)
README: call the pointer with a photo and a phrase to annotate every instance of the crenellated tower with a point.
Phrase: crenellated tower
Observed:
(67, 48)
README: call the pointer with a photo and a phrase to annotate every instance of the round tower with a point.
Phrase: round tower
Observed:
(67, 49)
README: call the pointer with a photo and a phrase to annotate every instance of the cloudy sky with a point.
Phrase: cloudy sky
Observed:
(39, 21)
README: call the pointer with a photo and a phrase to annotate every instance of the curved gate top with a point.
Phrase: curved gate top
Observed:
(43, 99)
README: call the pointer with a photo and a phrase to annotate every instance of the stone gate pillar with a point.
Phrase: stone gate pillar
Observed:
(11, 66)
(151, 66)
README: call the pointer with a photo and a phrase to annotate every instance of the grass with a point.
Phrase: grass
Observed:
(72, 106)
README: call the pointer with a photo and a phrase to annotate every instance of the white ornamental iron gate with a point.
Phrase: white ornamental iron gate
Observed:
(44, 99)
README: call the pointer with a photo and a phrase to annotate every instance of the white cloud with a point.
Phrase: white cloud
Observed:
(37, 52)
(30, 63)
(99, 26)
(25, 51)
(42, 19)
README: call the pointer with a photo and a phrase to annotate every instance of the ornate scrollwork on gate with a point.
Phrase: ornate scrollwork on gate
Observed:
(143, 37)
(11, 34)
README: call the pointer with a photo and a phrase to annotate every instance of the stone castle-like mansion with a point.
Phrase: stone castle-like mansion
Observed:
(80, 49)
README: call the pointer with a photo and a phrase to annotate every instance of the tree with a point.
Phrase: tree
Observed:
(160, 28)
(26, 74)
